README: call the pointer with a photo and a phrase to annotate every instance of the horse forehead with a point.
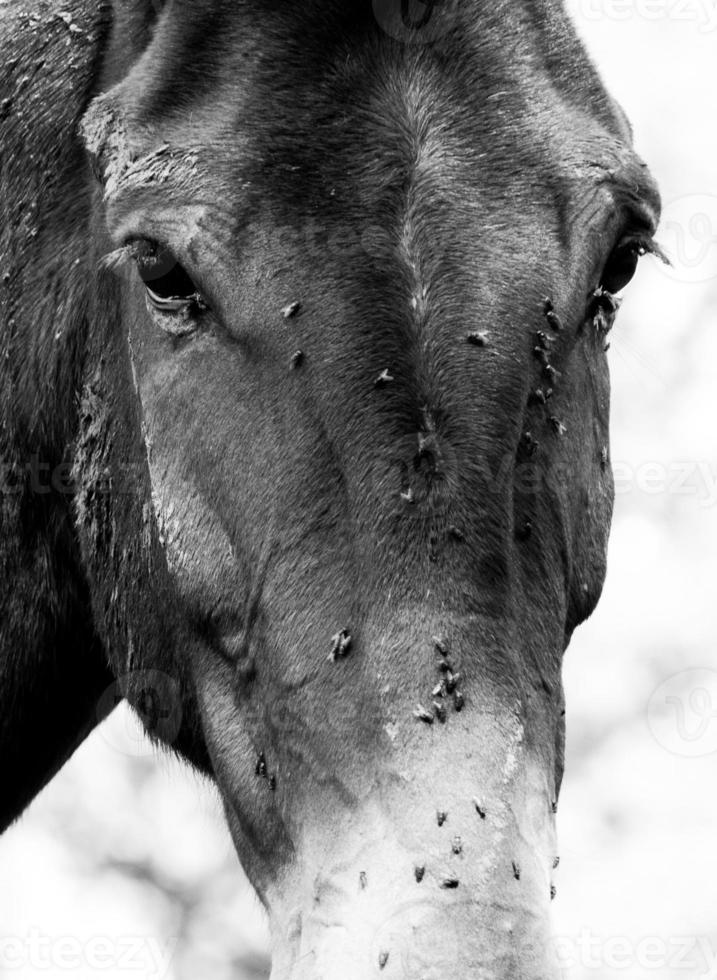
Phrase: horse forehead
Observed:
(405, 125)
(245, 120)
(233, 77)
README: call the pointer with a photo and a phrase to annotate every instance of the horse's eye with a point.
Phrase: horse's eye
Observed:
(169, 287)
(620, 267)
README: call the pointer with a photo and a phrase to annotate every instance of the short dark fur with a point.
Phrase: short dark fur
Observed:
(451, 187)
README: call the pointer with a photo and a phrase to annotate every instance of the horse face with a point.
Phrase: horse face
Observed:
(362, 359)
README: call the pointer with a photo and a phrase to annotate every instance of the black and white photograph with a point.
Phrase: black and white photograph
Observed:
(358, 490)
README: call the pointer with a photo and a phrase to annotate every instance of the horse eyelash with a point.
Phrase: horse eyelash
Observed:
(113, 260)
(648, 246)
(131, 251)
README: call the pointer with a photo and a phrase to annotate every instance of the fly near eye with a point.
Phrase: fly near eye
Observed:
(169, 287)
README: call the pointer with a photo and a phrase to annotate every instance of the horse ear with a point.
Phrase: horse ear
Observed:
(53, 668)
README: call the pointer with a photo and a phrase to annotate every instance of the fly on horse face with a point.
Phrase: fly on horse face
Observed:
(305, 437)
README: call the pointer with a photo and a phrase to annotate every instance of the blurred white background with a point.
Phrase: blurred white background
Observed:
(123, 868)
(638, 817)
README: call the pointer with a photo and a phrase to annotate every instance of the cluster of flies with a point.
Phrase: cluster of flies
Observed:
(262, 771)
(541, 396)
(446, 689)
(602, 310)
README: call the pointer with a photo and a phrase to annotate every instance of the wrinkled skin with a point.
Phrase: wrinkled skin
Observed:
(235, 505)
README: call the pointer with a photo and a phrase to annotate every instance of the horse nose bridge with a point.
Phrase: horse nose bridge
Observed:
(428, 490)
(423, 442)
(436, 664)
(430, 429)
